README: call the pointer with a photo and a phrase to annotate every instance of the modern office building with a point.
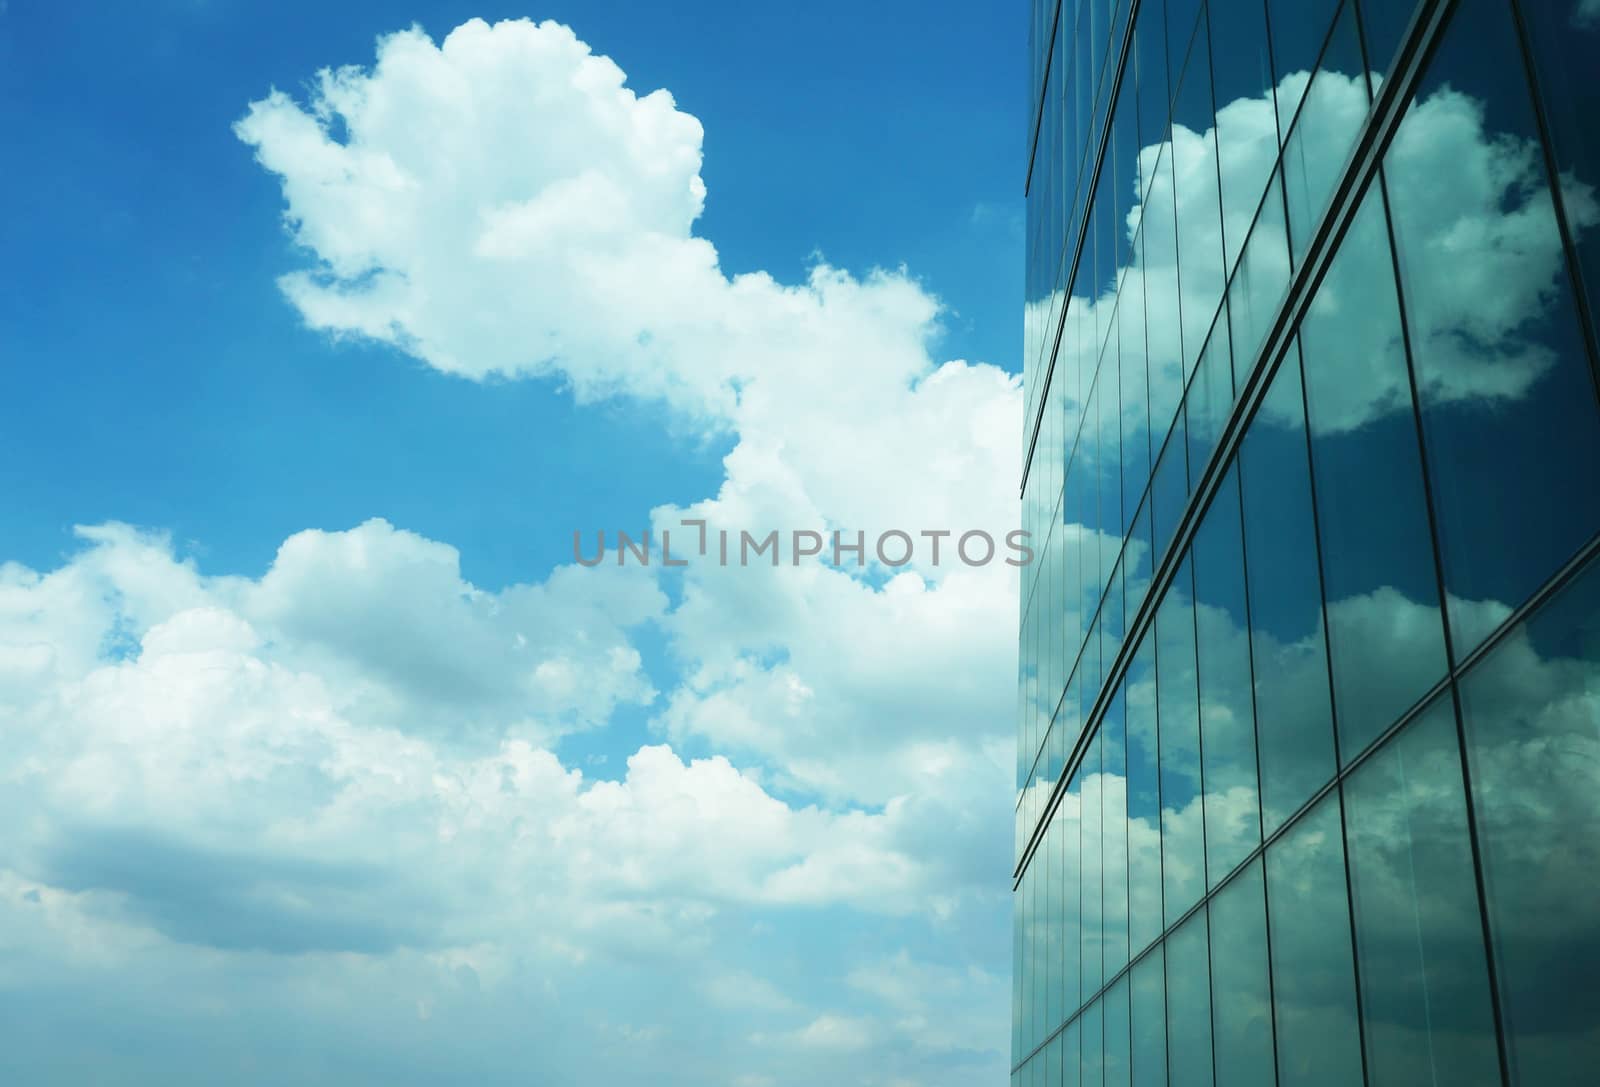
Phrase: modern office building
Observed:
(1309, 770)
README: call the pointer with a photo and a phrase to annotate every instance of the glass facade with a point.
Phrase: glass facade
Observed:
(1308, 779)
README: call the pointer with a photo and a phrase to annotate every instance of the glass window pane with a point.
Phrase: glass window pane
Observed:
(1194, 171)
(1094, 1052)
(1119, 1071)
(1424, 979)
(1508, 400)
(1110, 467)
(1227, 718)
(1135, 391)
(1565, 39)
(1169, 490)
(1241, 1006)
(1259, 283)
(1330, 116)
(1163, 335)
(1294, 718)
(1385, 631)
(1090, 845)
(1189, 1004)
(1313, 979)
(1210, 397)
(1182, 832)
(1147, 992)
(1144, 801)
(1299, 28)
(1114, 833)
(1532, 715)
(1383, 23)
(1247, 131)
(1069, 844)
(1072, 1054)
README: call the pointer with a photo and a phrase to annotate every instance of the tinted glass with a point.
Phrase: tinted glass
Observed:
(1092, 1035)
(1072, 1055)
(1210, 397)
(1385, 630)
(1241, 1005)
(1135, 391)
(1258, 283)
(1313, 978)
(1565, 39)
(1194, 162)
(1144, 801)
(1182, 830)
(1068, 844)
(1508, 400)
(1330, 115)
(1189, 1004)
(1169, 489)
(1147, 992)
(1295, 721)
(1227, 717)
(1298, 29)
(1092, 881)
(1114, 835)
(1119, 1070)
(1424, 977)
(1246, 132)
(1532, 715)
(1164, 340)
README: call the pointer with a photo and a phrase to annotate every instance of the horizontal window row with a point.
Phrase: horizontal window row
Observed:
(1380, 935)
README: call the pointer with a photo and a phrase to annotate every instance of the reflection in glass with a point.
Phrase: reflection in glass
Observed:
(1424, 979)
(1330, 116)
(1259, 282)
(1182, 832)
(1094, 1045)
(1163, 340)
(1135, 415)
(1294, 718)
(1169, 489)
(1246, 135)
(1298, 29)
(1092, 881)
(1241, 1006)
(1531, 710)
(1508, 400)
(1114, 834)
(1070, 968)
(1189, 1004)
(1210, 397)
(1565, 38)
(1194, 165)
(1118, 1062)
(1072, 1054)
(1313, 979)
(1144, 801)
(1385, 631)
(1227, 718)
(1148, 1005)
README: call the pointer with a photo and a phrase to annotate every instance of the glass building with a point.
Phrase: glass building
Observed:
(1309, 742)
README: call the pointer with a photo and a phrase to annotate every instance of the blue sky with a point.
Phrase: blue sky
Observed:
(335, 768)
(876, 137)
